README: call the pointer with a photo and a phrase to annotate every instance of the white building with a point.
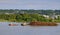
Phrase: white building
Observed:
(46, 16)
(52, 16)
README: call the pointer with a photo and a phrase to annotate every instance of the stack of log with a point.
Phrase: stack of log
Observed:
(43, 24)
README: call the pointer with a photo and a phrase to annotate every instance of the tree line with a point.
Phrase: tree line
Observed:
(24, 17)
(30, 11)
(28, 15)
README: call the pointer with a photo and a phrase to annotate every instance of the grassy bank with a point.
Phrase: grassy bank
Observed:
(25, 18)
(2, 20)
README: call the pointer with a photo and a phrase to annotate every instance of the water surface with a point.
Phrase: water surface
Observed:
(5, 29)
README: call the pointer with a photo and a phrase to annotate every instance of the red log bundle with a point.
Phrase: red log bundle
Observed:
(43, 24)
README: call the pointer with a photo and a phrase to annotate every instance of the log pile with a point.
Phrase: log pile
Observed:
(43, 24)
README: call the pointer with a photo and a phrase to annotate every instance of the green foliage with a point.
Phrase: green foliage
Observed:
(25, 18)
(22, 17)
(28, 15)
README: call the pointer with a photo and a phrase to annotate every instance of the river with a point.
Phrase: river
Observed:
(5, 29)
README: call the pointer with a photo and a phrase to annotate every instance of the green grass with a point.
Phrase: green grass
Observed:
(2, 20)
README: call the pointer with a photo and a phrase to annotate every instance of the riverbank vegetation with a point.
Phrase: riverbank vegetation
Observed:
(25, 18)
(28, 15)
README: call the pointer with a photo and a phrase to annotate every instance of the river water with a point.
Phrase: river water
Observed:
(5, 29)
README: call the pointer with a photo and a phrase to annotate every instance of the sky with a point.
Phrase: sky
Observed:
(30, 4)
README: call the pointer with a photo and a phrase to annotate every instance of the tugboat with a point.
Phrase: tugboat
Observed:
(24, 24)
(12, 24)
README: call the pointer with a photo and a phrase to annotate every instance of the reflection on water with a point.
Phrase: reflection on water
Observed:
(5, 29)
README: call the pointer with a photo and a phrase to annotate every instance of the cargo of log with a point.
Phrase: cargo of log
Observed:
(43, 24)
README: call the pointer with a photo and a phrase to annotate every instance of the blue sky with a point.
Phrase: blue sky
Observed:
(29, 4)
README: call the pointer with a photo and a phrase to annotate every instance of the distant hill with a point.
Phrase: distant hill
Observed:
(17, 11)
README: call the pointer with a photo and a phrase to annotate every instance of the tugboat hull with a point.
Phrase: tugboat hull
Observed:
(12, 24)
